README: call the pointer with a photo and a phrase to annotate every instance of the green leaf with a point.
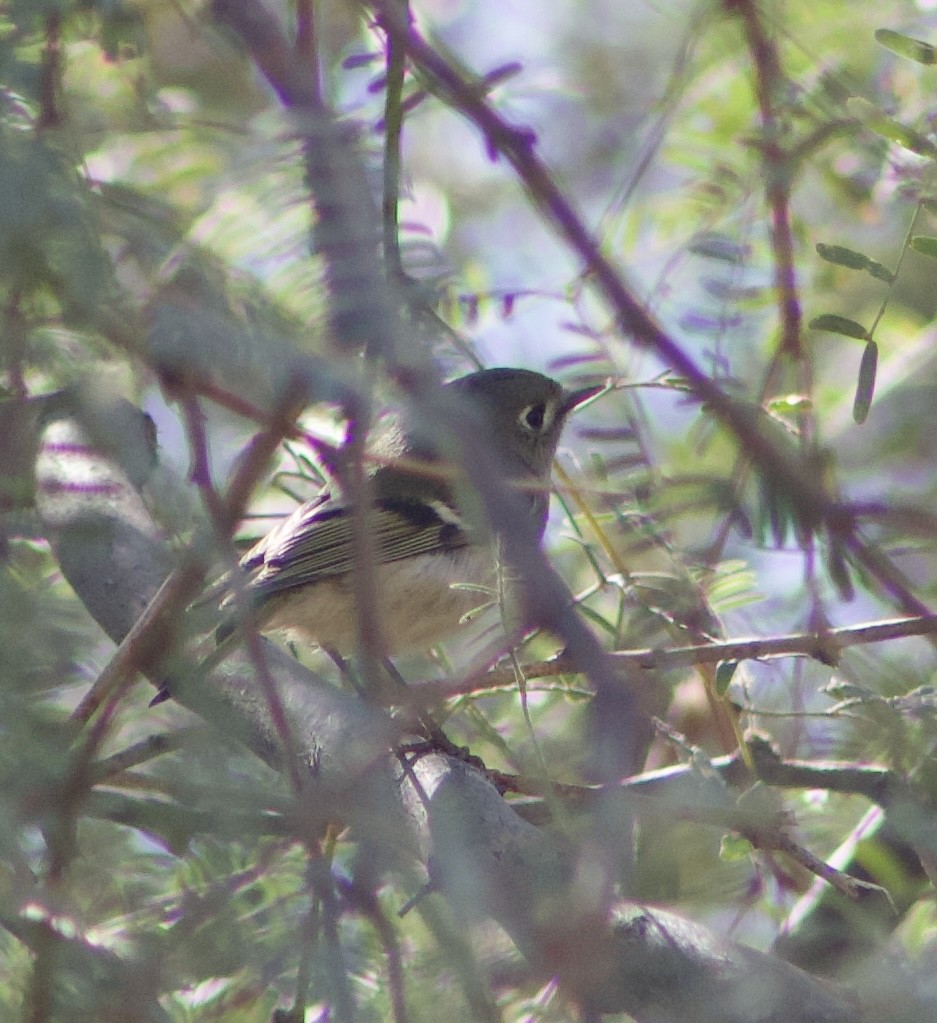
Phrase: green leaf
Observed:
(905, 46)
(879, 271)
(732, 585)
(713, 245)
(789, 404)
(840, 689)
(724, 672)
(853, 260)
(865, 386)
(840, 325)
(889, 128)
(925, 244)
(838, 568)
(733, 848)
(842, 256)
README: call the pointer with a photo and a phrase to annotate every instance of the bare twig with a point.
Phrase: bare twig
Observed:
(892, 579)
(148, 638)
(676, 790)
(877, 784)
(365, 902)
(393, 130)
(322, 888)
(769, 81)
(306, 34)
(823, 645)
(218, 513)
(51, 74)
(139, 753)
(154, 630)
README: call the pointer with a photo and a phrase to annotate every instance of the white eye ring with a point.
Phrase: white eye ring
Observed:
(538, 417)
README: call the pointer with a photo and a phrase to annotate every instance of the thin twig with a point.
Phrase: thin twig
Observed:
(879, 785)
(149, 636)
(769, 82)
(823, 645)
(764, 827)
(139, 753)
(306, 32)
(217, 510)
(366, 902)
(51, 74)
(322, 888)
(154, 630)
(393, 131)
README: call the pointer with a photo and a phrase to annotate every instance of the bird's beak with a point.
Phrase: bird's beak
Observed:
(576, 399)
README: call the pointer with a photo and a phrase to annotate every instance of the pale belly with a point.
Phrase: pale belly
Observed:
(417, 605)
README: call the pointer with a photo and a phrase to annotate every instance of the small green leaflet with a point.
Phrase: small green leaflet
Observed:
(838, 568)
(925, 244)
(889, 128)
(853, 260)
(865, 386)
(905, 46)
(733, 848)
(712, 245)
(840, 325)
(724, 672)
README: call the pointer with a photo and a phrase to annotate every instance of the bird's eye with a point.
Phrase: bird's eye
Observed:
(534, 417)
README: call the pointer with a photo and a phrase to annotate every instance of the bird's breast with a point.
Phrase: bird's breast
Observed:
(421, 601)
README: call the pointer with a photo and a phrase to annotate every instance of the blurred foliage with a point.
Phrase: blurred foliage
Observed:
(154, 221)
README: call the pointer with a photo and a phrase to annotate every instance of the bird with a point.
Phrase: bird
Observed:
(432, 562)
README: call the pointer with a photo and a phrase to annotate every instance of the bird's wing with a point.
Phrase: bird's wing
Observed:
(296, 523)
(318, 542)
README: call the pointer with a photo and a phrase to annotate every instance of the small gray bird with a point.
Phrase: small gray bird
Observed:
(429, 560)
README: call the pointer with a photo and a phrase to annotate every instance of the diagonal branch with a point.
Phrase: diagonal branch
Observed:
(822, 645)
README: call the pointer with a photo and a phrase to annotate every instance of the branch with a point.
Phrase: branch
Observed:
(778, 168)
(823, 646)
(685, 791)
(347, 224)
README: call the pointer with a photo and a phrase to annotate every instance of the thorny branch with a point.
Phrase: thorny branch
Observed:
(823, 645)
